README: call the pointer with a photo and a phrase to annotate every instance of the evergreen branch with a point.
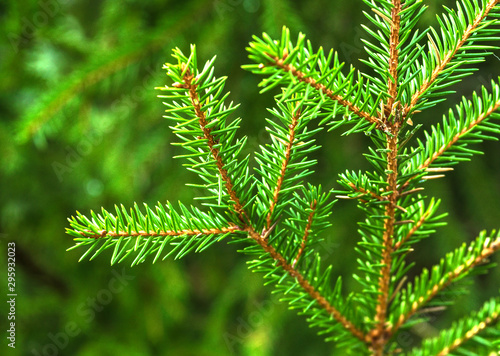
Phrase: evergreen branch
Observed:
(360, 192)
(466, 130)
(448, 144)
(306, 216)
(377, 335)
(460, 332)
(134, 232)
(284, 166)
(298, 68)
(445, 54)
(393, 27)
(280, 218)
(152, 233)
(359, 186)
(422, 221)
(413, 225)
(305, 284)
(303, 78)
(287, 249)
(455, 266)
(212, 142)
(189, 85)
(203, 126)
(366, 192)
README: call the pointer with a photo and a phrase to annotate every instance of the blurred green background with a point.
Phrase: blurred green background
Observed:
(81, 128)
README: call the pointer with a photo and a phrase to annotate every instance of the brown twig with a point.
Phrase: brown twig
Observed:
(447, 280)
(392, 85)
(367, 192)
(476, 329)
(364, 192)
(379, 335)
(212, 142)
(104, 233)
(302, 77)
(410, 233)
(284, 166)
(306, 233)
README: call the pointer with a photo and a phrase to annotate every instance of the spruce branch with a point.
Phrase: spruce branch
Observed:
(297, 67)
(284, 166)
(280, 217)
(460, 134)
(423, 226)
(454, 267)
(447, 143)
(203, 125)
(378, 334)
(305, 285)
(359, 186)
(212, 141)
(365, 192)
(451, 53)
(303, 78)
(186, 81)
(149, 233)
(135, 233)
(459, 336)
